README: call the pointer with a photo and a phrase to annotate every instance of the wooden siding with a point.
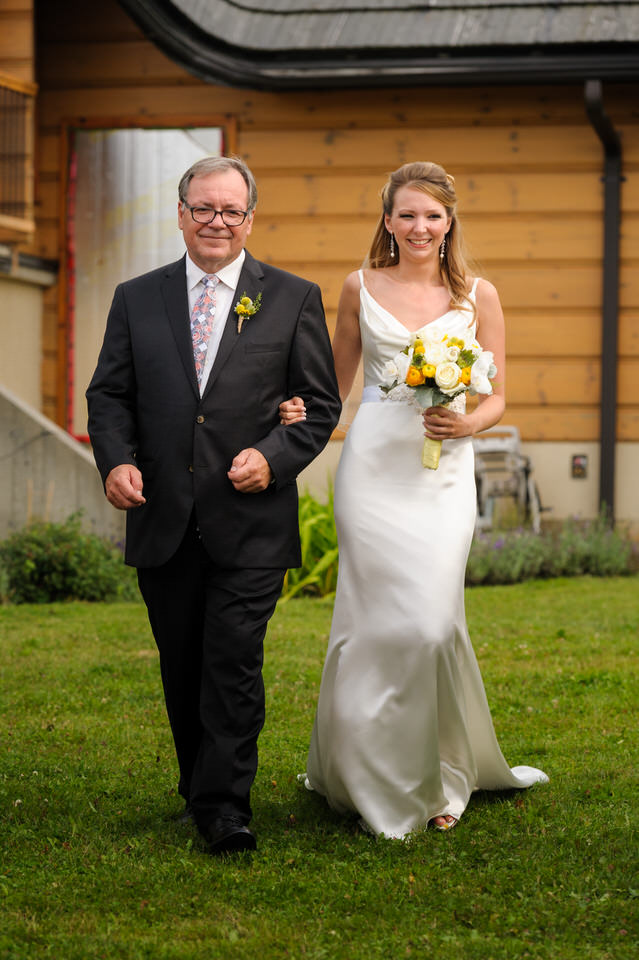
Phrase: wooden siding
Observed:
(527, 166)
(16, 39)
(17, 71)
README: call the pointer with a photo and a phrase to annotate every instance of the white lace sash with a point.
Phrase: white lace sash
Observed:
(372, 394)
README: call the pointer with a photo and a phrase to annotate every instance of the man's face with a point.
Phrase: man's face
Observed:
(211, 246)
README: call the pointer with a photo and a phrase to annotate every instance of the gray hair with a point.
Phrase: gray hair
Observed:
(202, 168)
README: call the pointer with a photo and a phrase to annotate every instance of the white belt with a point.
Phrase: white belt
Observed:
(372, 394)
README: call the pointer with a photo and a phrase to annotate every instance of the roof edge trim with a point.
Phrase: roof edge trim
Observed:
(189, 46)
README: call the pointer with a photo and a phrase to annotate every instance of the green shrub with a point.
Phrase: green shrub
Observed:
(318, 574)
(46, 562)
(592, 547)
(508, 557)
(576, 548)
(4, 583)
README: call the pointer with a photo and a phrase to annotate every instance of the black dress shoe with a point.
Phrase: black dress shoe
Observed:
(228, 835)
(186, 816)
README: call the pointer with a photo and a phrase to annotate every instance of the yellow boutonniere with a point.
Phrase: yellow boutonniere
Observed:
(245, 307)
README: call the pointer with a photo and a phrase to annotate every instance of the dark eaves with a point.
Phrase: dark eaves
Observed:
(213, 60)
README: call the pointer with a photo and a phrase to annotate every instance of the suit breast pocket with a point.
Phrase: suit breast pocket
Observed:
(271, 347)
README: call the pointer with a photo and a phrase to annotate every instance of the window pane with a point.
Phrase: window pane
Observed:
(122, 221)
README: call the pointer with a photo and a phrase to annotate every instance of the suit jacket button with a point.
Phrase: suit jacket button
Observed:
(199, 419)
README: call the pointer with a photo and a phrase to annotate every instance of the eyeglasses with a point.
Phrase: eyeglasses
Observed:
(230, 218)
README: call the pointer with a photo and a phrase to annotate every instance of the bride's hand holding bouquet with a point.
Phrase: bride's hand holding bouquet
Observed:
(430, 372)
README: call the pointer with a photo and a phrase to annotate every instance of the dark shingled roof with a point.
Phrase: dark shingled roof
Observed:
(325, 43)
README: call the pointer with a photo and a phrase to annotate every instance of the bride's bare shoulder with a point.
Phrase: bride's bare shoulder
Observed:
(379, 278)
(352, 282)
(349, 297)
(486, 293)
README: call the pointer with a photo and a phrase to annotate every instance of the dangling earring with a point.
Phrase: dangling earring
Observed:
(442, 250)
(392, 245)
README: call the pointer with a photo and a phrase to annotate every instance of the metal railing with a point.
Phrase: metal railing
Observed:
(16, 158)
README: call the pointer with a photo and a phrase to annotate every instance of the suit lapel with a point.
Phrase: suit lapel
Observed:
(251, 283)
(177, 307)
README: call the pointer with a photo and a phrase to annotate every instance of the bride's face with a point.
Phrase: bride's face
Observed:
(419, 223)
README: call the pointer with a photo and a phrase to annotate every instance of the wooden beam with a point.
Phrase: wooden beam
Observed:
(20, 86)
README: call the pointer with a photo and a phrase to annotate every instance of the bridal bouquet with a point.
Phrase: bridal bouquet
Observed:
(431, 371)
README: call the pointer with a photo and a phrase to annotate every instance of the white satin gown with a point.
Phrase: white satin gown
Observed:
(403, 731)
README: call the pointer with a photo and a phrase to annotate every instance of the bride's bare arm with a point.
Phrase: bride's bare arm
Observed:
(440, 422)
(347, 342)
(347, 349)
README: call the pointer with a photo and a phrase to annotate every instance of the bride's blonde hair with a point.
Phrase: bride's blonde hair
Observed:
(433, 180)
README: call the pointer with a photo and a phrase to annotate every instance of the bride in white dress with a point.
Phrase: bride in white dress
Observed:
(403, 732)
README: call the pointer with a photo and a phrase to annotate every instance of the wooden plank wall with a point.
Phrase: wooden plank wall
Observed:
(16, 39)
(527, 166)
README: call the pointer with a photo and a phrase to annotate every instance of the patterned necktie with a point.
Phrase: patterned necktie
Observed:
(202, 322)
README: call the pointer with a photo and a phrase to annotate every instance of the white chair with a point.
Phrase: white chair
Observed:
(503, 471)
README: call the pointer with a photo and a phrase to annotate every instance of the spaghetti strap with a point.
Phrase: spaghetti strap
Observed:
(360, 274)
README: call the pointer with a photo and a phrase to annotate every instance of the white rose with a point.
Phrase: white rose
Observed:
(390, 374)
(481, 371)
(447, 377)
(402, 362)
(452, 354)
(435, 352)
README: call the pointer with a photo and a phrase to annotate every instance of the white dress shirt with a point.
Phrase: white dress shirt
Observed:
(229, 277)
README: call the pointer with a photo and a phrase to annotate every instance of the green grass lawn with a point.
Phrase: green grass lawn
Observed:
(93, 866)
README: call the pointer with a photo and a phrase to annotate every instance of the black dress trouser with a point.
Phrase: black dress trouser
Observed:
(209, 624)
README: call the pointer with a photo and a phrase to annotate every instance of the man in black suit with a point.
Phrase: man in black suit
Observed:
(183, 418)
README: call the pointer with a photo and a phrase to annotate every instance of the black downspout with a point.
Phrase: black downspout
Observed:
(609, 137)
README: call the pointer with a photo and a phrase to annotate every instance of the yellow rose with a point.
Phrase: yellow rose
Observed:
(428, 370)
(414, 377)
(418, 348)
(246, 301)
(465, 376)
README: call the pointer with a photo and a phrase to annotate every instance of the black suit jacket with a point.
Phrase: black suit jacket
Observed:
(145, 409)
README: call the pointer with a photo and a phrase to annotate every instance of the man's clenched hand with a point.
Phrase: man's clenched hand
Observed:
(250, 472)
(124, 487)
